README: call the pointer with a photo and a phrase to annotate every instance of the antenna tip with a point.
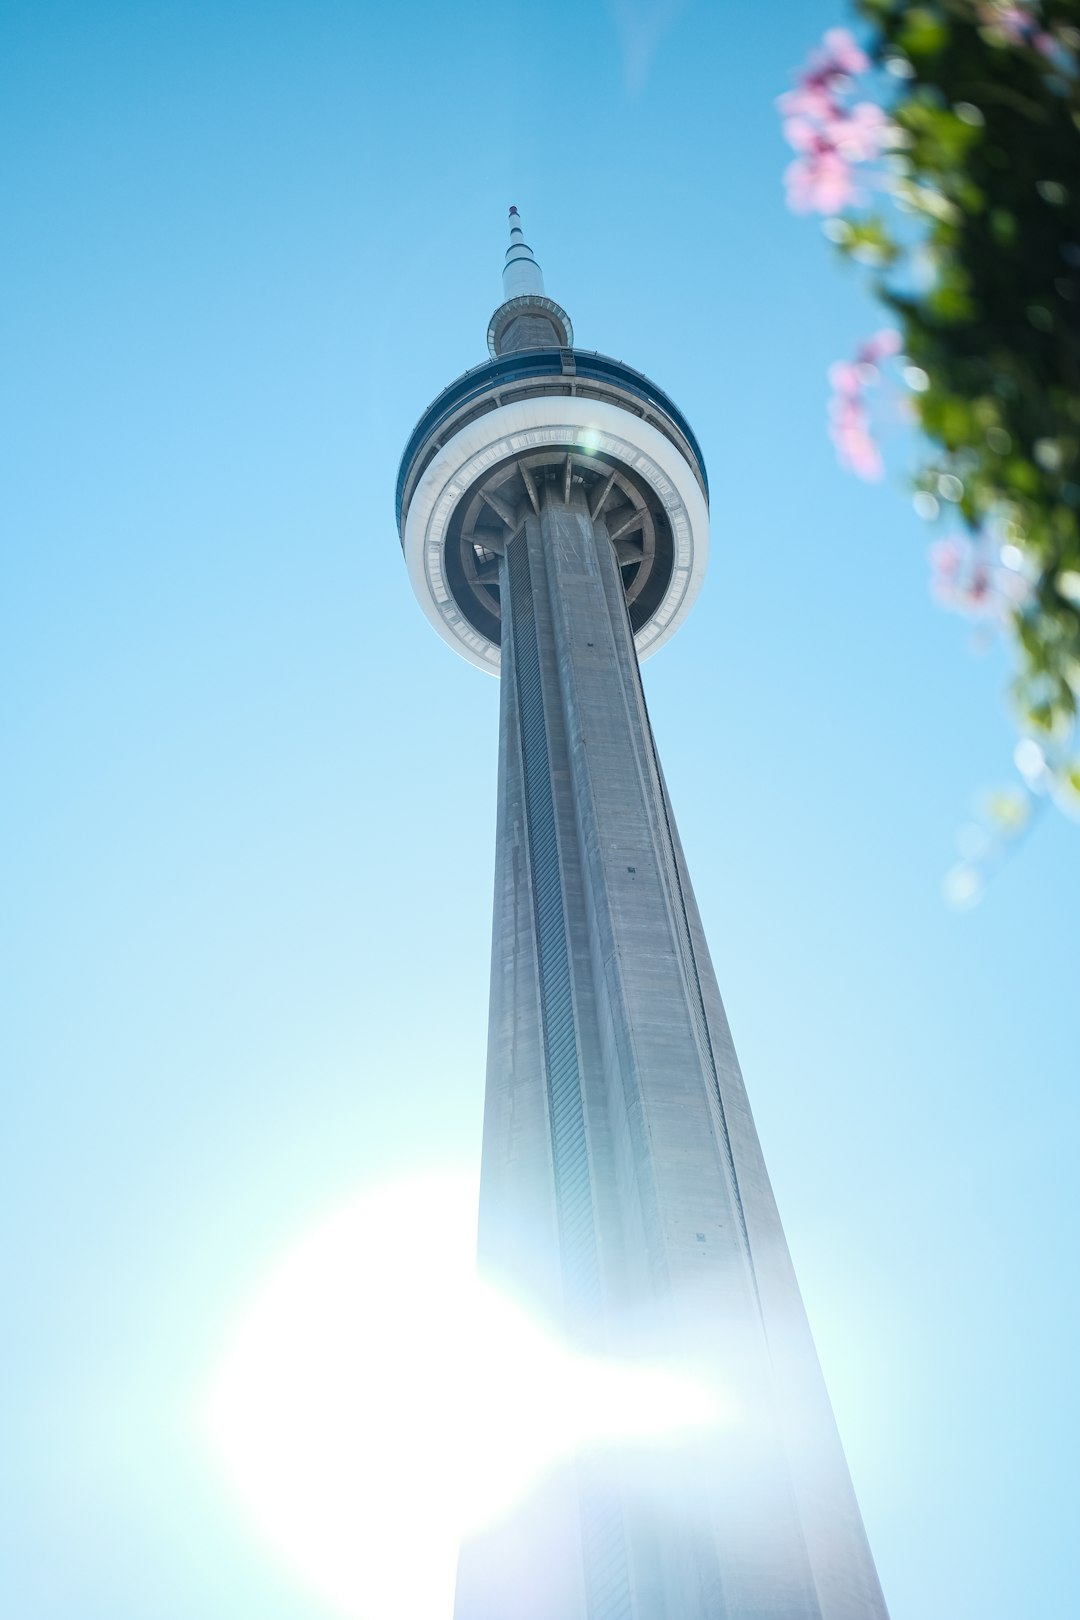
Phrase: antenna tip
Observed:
(513, 210)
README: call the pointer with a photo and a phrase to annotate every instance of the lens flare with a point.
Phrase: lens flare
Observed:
(369, 1410)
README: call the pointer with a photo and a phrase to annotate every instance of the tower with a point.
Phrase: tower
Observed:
(553, 511)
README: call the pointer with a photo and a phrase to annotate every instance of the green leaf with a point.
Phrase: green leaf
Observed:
(1004, 226)
(868, 241)
(1008, 808)
(1041, 716)
(923, 33)
(1021, 475)
(983, 180)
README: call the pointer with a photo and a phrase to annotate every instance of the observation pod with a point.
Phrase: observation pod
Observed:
(543, 421)
(553, 511)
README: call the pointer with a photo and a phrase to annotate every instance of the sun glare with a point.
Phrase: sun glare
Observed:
(368, 1409)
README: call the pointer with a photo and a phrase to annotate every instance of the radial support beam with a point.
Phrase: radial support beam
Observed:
(634, 521)
(501, 508)
(601, 499)
(530, 488)
(491, 542)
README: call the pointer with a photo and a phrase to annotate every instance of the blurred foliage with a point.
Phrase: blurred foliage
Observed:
(979, 262)
(990, 160)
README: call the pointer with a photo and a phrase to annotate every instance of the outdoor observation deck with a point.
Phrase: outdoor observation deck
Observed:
(527, 427)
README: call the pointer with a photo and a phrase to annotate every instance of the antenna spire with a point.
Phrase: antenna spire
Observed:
(522, 276)
(526, 319)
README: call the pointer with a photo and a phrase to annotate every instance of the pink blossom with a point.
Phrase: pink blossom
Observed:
(862, 133)
(845, 378)
(964, 590)
(1018, 25)
(879, 346)
(823, 78)
(820, 181)
(810, 99)
(850, 432)
(1056, 52)
(858, 451)
(1014, 22)
(843, 50)
(947, 557)
(829, 137)
(802, 133)
(966, 576)
(849, 416)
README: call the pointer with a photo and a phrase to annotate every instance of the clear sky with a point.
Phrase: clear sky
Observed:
(248, 813)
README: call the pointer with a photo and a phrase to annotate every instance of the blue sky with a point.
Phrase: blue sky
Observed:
(249, 813)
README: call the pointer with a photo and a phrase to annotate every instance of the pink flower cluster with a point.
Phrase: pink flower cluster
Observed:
(968, 576)
(829, 136)
(849, 414)
(1019, 25)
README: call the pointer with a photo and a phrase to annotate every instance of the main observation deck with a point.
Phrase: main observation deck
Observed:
(484, 453)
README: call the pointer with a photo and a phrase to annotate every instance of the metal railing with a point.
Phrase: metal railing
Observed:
(580, 364)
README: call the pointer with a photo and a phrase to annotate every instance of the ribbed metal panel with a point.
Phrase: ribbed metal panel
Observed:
(604, 1539)
(577, 1228)
(603, 1536)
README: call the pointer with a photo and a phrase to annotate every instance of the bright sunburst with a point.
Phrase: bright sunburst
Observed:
(368, 1409)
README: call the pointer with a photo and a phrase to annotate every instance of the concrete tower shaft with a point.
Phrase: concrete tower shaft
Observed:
(553, 511)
